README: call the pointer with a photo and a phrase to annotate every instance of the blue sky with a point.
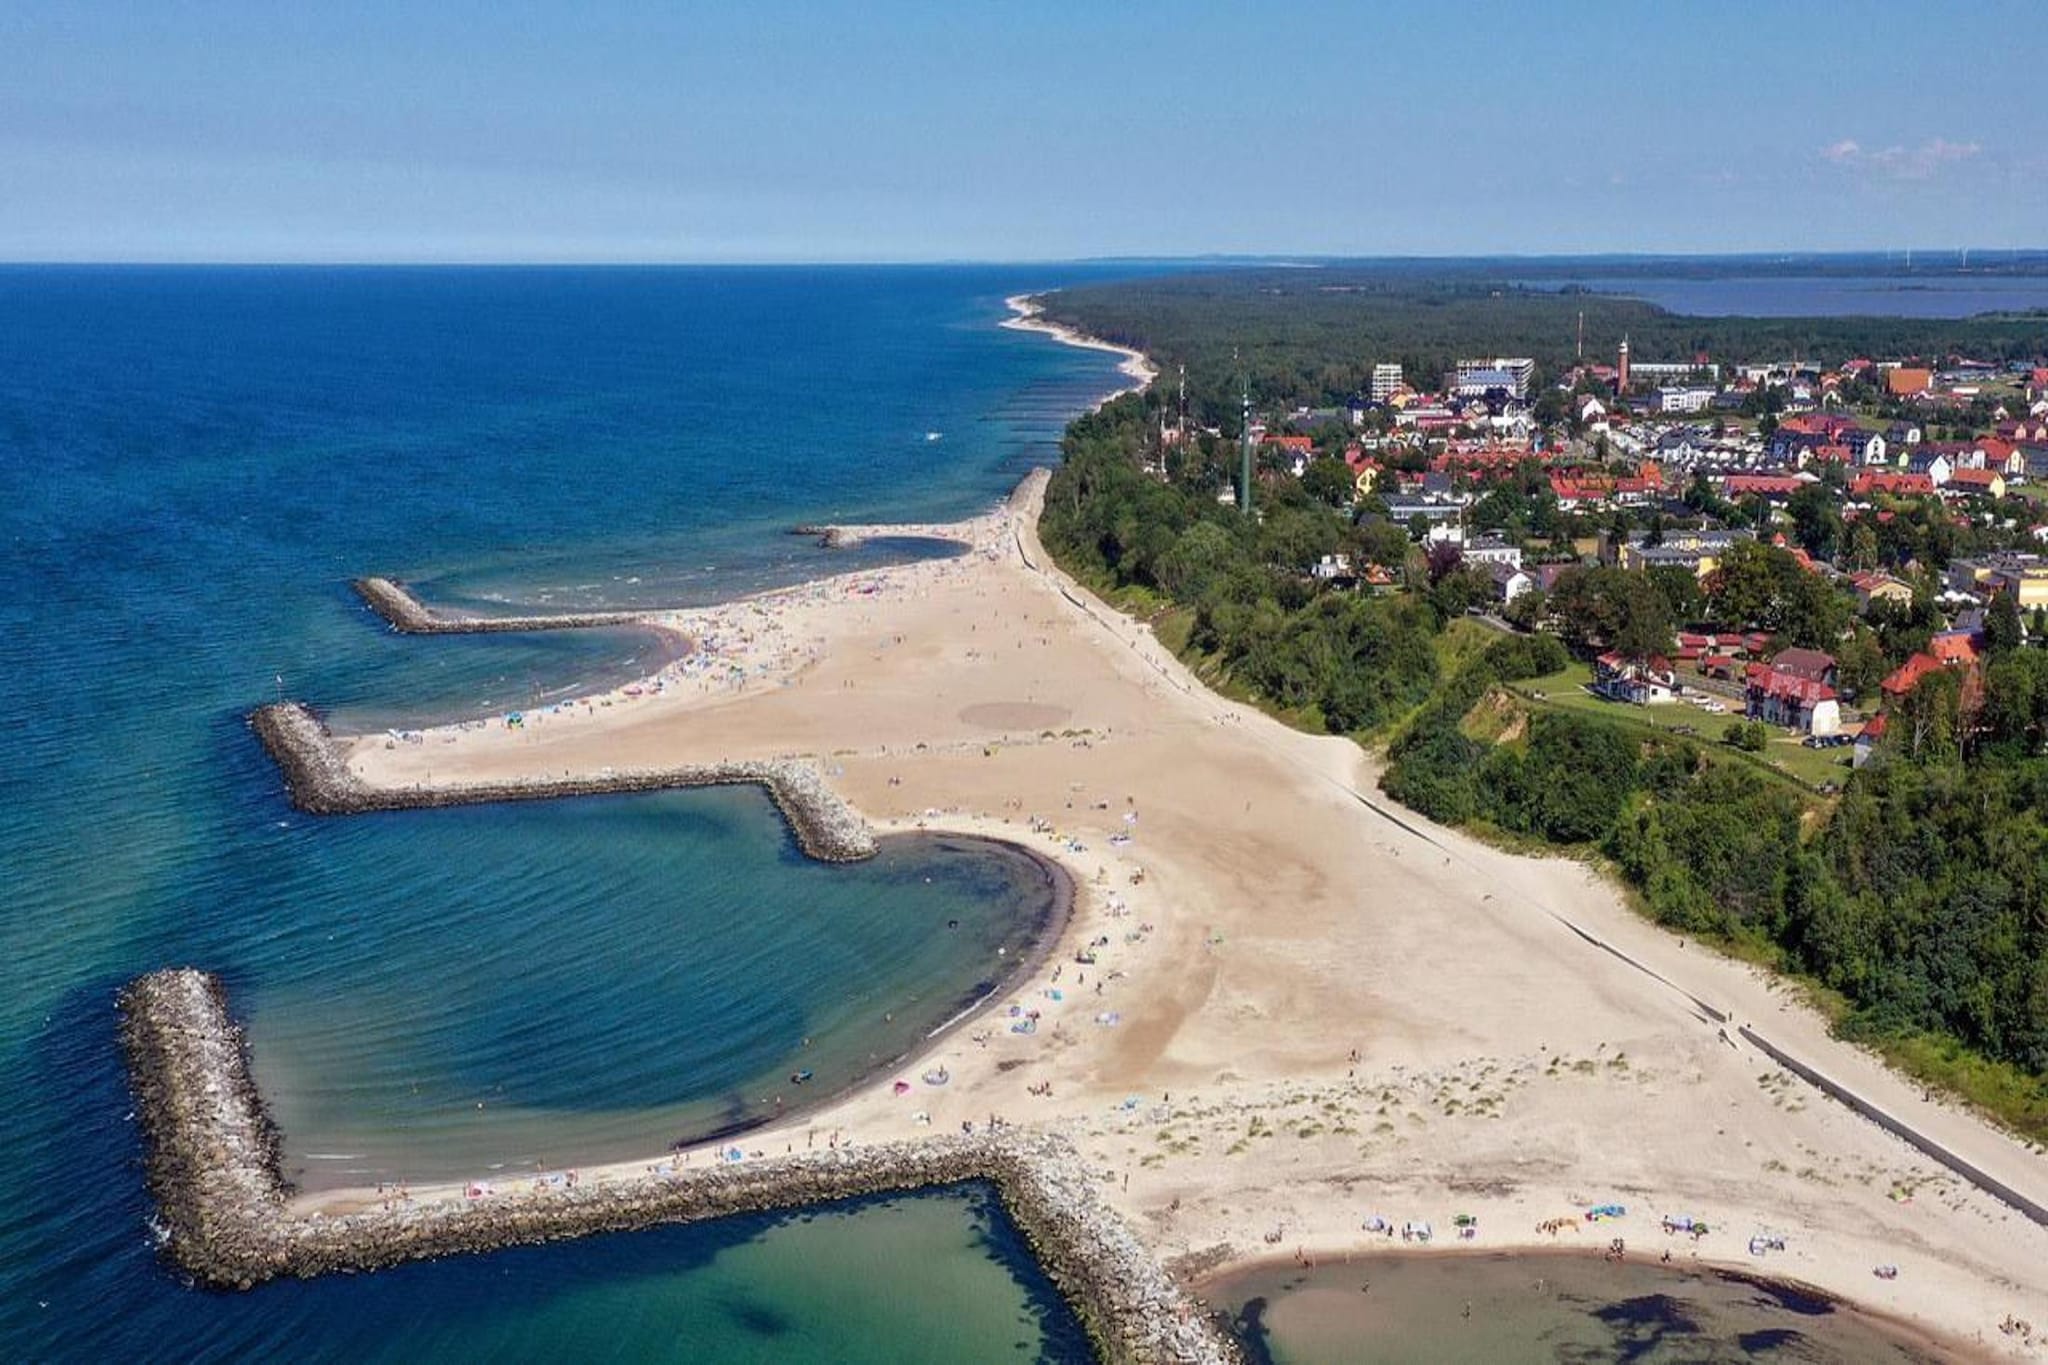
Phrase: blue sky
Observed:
(187, 130)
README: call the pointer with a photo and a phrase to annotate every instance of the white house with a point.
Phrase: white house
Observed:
(1936, 465)
(1684, 398)
(1491, 550)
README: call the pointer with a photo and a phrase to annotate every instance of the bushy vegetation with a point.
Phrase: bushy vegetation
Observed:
(1923, 899)
(1356, 662)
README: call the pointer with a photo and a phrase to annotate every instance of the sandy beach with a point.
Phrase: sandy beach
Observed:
(1027, 317)
(1295, 1013)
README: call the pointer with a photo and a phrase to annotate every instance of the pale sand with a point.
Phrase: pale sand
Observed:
(1136, 364)
(1507, 1068)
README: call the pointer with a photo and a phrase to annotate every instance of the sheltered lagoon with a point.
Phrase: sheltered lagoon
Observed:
(1541, 1308)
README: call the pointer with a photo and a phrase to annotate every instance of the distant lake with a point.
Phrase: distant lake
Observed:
(1786, 296)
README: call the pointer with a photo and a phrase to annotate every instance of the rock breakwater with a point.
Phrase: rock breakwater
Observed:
(408, 615)
(213, 1169)
(321, 782)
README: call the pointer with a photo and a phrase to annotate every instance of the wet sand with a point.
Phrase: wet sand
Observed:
(1424, 1307)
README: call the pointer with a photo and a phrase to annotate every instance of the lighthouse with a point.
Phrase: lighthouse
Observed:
(1621, 368)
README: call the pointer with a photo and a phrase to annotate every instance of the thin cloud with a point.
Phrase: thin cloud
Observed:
(1900, 162)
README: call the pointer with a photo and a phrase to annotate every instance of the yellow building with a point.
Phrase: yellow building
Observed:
(2028, 583)
(1700, 551)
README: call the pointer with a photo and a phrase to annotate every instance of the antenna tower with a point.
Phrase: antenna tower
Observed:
(1244, 477)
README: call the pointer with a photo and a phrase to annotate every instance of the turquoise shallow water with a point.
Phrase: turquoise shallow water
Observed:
(681, 991)
(192, 464)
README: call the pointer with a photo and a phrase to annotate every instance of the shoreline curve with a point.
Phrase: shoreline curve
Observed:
(212, 1165)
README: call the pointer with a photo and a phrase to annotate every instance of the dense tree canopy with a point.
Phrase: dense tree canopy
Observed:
(1355, 661)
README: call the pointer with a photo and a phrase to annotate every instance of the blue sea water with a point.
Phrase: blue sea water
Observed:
(192, 464)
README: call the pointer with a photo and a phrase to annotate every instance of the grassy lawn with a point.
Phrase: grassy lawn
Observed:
(1565, 691)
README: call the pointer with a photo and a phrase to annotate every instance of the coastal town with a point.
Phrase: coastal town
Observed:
(1913, 492)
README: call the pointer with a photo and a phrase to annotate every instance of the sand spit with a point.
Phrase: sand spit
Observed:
(213, 1166)
(321, 783)
(408, 615)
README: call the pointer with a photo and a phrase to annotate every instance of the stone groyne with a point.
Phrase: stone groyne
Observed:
(409, 616)
(213, 1169)
(321, 782)
(211, 1151)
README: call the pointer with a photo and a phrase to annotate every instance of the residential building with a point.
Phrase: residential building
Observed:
(1334, 569)
(1492, 550)
(1643, 682)
(1386, 381)
(1700, 551)
(1868, 481)
(1475, 378)
(1683, 399)
(1510, 582)
(1789, 693)
(1867, 447)
(1777, 487)
(1878, 586)
(1935, 464)
(1654, 370)
(1575, 489)
(1813, 665)
(1901, 681)
(1986, 483)
(1404, 511)
(1903, 382)
(2024, 576)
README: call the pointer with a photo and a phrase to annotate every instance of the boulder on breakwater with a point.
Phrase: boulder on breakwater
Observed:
(213, 1168)
(321, 782)
(828, 537)
(407, 615)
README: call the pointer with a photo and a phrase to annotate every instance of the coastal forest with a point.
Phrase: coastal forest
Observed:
(1310, 337)
(1916, 896)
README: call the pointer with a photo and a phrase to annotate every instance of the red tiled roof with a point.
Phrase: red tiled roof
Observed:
(1953, 647)
(1776, 682)
(1737, 484)
(1888, 481)
(1907, 675)
(1804, 663)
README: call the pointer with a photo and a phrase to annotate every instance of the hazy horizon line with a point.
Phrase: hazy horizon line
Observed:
(1937, 257)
